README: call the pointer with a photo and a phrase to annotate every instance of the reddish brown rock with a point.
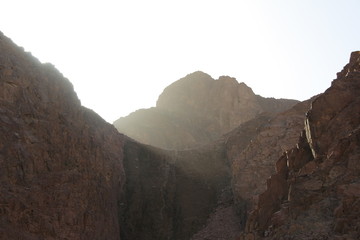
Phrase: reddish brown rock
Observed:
(254, 148)
(247, 153)
(62, 174)
(61, 169)
(323, 193)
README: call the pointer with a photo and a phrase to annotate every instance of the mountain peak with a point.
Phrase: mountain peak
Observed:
(197, 74)
(200, 109)
(355, 57)
(352, 66)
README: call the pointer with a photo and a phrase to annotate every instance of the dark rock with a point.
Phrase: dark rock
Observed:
(61, 169)
(170, 194)
(255, 147)
(67, 174)
(323, 179)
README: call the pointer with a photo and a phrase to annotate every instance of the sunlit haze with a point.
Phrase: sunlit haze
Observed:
(120, 55)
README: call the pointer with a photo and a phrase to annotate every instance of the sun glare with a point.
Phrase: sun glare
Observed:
(120, 55)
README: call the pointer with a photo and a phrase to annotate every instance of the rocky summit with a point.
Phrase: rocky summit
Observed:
(196, 110)
(235, 165)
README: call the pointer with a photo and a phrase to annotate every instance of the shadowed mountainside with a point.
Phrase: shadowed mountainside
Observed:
(170, 194)
(196, 110)
(61, 168)
(67, 174)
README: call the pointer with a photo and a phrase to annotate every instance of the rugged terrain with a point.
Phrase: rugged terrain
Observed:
(197, 110)
(316, 190)
(61, 168)
(67, 174)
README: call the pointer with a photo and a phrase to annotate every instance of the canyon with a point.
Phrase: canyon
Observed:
(212, 160)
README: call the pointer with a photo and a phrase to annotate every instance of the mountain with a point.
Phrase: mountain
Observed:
(197, 110)
(315, 191)
(68, 174)
(61, 164)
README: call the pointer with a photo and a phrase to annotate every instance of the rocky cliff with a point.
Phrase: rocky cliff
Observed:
(254, 147)
(252, 150)
(315, 191)
(61, 164)
(197, 110)
(67, 174)
(170, 194)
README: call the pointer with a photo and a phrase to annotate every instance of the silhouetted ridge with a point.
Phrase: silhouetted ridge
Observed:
(196, 110)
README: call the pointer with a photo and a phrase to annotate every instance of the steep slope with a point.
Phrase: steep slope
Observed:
(255, 162)
(186, 194)
(196, 110)
(251, 150)
(315, 192)
(61, 168)
(67, 174)
(170, 194)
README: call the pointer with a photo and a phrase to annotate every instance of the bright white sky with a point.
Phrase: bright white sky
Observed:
(120, 55)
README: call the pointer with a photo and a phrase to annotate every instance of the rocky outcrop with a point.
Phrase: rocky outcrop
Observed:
(255, 146)
(315, 191)
(196, 110)
(251, 150)
(61, 169)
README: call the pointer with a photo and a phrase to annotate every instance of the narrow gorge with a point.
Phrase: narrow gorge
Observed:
(212, 160)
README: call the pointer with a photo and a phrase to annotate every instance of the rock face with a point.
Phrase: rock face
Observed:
(315, 191)
(251, 150)
(61, 169)
(197, 110)
(170, 194)
(254, 148)
(67, 174)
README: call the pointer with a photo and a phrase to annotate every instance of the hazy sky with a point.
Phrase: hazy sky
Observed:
(120, 55)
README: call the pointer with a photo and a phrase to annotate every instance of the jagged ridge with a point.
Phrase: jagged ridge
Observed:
(315, 192)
